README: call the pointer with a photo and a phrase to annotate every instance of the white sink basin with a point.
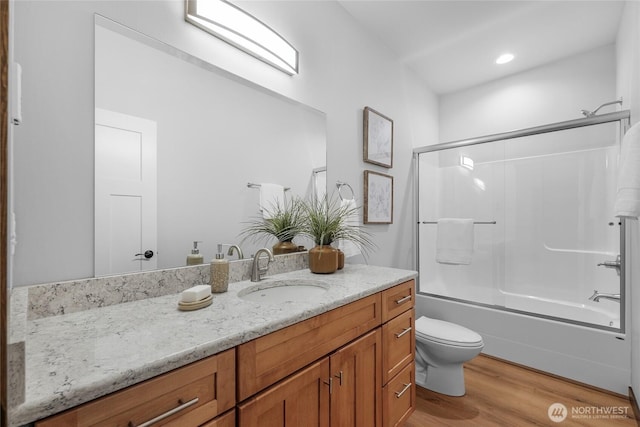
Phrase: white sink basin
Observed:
(284, 291)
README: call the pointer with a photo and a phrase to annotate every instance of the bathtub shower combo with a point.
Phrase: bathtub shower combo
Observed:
(545, 248)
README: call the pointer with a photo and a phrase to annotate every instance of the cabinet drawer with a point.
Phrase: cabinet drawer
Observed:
(398, 299)
(190, 395)
(398, 344)
(266, 360)
(399, 397)
(226, 420)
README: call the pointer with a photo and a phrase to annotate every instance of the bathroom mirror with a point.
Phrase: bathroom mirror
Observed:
(213, 133)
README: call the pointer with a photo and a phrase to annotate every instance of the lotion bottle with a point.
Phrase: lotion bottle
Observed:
(219, 278)
(195, 257)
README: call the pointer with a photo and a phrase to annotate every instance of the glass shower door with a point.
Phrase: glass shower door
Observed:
(545, 236)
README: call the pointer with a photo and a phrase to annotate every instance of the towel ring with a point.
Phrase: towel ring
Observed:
(341, 184)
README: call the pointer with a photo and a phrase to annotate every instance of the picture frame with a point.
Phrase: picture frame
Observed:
(378, 138)
(378, 198)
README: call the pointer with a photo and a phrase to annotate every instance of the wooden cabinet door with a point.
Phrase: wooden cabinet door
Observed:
(301, 400)
(226, 420)
(356, 371)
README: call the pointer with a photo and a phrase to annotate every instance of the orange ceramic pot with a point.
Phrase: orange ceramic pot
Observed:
(323, 259)
(284, 248)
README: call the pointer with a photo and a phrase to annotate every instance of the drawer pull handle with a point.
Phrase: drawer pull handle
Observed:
(404, 332)
(339, 376)
(401, 300)
(167, 414)
(400, 393)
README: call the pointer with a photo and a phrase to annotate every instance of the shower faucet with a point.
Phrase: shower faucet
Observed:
(597, 296)
(612, 264)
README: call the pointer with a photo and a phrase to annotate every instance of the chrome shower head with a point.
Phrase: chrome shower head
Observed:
(588, 113)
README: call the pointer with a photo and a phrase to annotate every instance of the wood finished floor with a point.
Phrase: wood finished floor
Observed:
(505, 395)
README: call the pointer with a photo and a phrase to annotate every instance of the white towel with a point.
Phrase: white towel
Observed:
(349, 248)
(271, 196)
(454, 242)
(628, 195)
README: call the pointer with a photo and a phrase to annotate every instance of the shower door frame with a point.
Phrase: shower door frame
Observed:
(623, 117)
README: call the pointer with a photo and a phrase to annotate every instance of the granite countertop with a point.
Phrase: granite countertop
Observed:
(77, 357)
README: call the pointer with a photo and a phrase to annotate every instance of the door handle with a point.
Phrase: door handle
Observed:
(147, 254)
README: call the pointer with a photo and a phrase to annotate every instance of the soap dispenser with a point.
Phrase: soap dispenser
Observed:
(195, 257)
(219, 272)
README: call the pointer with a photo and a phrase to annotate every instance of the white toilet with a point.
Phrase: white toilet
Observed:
(441, 349)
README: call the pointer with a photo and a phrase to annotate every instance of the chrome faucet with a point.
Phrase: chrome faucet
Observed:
(237, 249)
(256, 271)
(597, 296)
(612, 264)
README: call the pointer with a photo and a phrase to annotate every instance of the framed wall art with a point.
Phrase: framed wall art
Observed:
(378, 138)
(378, 198)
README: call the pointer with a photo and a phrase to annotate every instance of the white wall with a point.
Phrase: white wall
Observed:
(547, 94)
(628, 86)
(342, 70)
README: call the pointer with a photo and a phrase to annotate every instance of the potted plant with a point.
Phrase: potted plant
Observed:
(325, 223)
(284, 222)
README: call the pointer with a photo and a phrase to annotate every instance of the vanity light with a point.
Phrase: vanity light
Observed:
(235, 26)
(504, 58)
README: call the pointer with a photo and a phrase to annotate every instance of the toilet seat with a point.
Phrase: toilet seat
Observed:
(446, 333)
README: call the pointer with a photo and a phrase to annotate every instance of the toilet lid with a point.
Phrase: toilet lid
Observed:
(446, 332)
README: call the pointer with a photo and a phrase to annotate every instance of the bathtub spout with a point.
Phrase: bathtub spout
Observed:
(597, 296)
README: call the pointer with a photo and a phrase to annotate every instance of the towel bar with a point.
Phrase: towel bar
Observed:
(252, 185)
(475, 222)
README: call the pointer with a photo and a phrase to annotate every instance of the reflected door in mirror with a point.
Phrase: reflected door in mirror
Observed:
(126, 193)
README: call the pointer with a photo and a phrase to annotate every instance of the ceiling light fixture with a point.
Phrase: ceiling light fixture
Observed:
(235, 26)
(504, 58)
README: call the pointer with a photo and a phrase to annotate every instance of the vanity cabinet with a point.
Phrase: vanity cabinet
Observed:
(189, 396)
(270, 358)
(339, 390)
(399, 344)
(351, 367)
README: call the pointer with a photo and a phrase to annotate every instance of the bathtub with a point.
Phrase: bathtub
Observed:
(582, 313)
(595, 356)
(604, 314)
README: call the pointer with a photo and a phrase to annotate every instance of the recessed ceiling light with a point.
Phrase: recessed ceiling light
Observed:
(504, 58)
